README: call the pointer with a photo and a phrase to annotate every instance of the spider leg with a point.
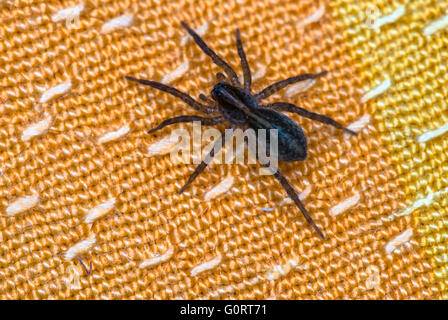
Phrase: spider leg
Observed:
(207, 100)
(216, 59)
(173, 91)
(182, 119)
(220, 76)
(294, 196)
(273, 88)
(218, 145)
(244, 63)
(289, 107)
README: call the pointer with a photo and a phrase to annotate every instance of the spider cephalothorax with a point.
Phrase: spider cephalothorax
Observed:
(236, 105)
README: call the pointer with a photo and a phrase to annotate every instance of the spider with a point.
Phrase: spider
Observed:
(235, 104)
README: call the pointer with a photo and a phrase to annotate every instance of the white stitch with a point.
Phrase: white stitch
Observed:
(431, 134)
(428, 200)
(281, 270)
(157, 259)
(22, 204)
(222, 187)
(36, 129)
(316, 16)
(176, 74)
(398, 240)
(374, 280)
(270, 274)
(358, 125)
(345, 205)
(117, 23)
(302, 86)
(240, 286)
(80, 248)
(163, 146)
(206, 266)
(302, 196)
(200, 31)
(377, 90)
(55, 91)
(394, 16)
(260, 73)
(68, 13)
(100, 210)
(437, 25)
(114, 135)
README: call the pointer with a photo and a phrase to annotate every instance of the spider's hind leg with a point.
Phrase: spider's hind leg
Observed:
(295, 197)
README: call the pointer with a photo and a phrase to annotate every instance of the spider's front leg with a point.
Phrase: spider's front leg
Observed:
(244, 63)
(216, 59)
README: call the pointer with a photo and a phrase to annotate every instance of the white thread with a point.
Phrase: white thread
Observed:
(428, 135)
(100, 210)
(22, 204)
(200, 31)
(281, 270)
(36, 129)
(270, 274)
(68, 13)
(437, 25)
(302, 86)
(428, 200)
(55, 91)
(240, 286)
(394, 16)
(117, 23)
(206, 266)
(374, 279)
(222, 187)
(302, 196)
(158, 259)
(260, 73)
(176, 74)
(114, 135)
(80, 248)
(377, 90)
(345, 205)
(398, 241)
(358, 125)
(163, 146)
(315, 17)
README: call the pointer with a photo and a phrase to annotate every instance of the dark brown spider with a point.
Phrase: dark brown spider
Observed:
(237, 106)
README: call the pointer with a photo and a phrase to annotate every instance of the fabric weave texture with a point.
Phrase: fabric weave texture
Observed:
(82, 181)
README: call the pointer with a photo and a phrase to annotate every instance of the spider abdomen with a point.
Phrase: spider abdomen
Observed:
(292, 143)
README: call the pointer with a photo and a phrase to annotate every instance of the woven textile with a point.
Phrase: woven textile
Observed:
(82, 181)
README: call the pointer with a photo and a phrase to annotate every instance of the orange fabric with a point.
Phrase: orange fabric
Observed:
(89, 158)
